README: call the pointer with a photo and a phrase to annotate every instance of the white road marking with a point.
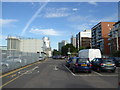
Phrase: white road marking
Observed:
(55, 68)
(97, 73)
(69, 70)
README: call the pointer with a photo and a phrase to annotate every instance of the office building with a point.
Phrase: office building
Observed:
(114, 38)
(46, 46)
(100, 36)
(28, 45)
(83, 39)
(73, 41)
(61, 44)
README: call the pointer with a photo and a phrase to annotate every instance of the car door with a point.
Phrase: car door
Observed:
(97, 63)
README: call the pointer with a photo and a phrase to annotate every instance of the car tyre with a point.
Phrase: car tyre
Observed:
(90, 71)
(113, 71)
(98, 70)
(74, 70)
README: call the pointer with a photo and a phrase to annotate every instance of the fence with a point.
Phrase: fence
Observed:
(14, 59)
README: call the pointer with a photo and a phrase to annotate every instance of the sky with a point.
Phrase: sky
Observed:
(56, 20)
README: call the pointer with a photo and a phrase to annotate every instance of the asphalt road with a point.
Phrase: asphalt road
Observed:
(53, 73)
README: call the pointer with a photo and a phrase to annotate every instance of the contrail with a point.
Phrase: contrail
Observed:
(33, 18)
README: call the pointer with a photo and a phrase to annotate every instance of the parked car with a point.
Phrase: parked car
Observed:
(69, 61)
(90, 53)
(116, 60)
(80, 64)
(41, 58)
(103, 64)
(57, 57)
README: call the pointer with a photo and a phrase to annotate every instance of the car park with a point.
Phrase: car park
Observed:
(80, 64)
(103, 64)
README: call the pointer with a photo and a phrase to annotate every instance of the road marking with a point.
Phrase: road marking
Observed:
(69, 70)
(19, 69)
(55, 68)
(13, 80)
(97, 73)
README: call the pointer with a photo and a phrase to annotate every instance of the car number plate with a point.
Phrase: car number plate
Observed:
(83, 64)
(109, 64)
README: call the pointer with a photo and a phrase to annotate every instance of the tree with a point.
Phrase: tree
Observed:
(55, 52)
(65, 49)
(82, 48)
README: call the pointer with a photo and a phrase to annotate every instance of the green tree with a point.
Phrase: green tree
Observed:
(65, 49)
(82, 48)
(55, 52)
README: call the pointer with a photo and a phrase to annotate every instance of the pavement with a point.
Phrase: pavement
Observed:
(52, 73)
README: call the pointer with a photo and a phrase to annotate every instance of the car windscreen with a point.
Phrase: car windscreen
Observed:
(81, 60)
(108, 60)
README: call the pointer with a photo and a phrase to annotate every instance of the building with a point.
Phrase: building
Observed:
(73, 41)
(83, 39)
(100, 36)
(47, 47)
(3, 50)
(119, 11)
(15, 45)
(114, 38)
(61, 44)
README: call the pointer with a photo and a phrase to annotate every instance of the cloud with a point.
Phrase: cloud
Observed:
(78, 18)
(75, 9)
(33, 18)
(56, 12)
(106, 19)
(2, 37)
(4, 22)
(50, 32)
(93, 3)
(81, 27)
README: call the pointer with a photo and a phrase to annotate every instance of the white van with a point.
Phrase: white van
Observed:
(90, 53)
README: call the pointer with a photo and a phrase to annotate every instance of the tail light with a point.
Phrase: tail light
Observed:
(90, 65)
(102, 64)
(76, 64)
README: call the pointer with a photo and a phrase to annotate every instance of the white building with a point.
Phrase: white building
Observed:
(73, 41)
(61, 44)
(47, 47)
(17, 44)
(83, 39)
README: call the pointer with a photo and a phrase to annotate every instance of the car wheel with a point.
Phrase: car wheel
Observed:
(90, 71)
(74, 70)
(99, 70)
(113, 71)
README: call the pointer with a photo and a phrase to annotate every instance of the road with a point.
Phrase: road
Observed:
(53, 73)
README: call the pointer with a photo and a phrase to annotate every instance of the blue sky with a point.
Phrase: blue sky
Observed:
(57, 20)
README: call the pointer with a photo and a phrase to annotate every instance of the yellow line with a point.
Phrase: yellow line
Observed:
(17, 76)
(18, 70)
(11, 80)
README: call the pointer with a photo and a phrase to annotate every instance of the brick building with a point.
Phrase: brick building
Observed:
(100, 36)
